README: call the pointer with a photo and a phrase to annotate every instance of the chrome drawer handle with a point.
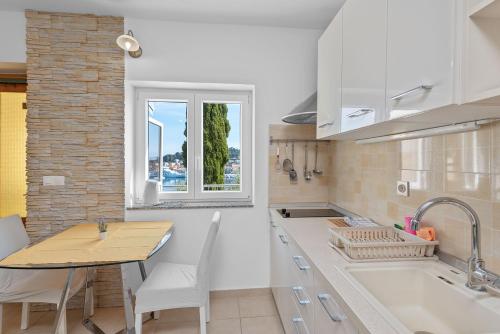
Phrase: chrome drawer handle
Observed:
(297, 323)
(283, 239)
(323, 299)
(298, 291)
(325, 124)
(298, 261)
(360, 112)
(408, 92)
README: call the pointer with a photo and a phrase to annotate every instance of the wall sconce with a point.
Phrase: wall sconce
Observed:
(128, 43)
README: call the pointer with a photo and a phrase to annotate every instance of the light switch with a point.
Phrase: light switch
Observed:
(53, 180)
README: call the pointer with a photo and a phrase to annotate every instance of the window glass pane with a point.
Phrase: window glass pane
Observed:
(221, 146)
(173, 117)
(154, 151)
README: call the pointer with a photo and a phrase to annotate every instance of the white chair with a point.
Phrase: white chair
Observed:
(173, 285)
(27, 285)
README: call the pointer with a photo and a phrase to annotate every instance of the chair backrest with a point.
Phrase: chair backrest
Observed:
(203, 270)
(13, 236)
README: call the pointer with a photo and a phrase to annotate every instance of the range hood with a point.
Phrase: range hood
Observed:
(304, 113)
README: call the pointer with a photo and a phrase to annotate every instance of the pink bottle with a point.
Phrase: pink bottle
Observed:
(408, 225)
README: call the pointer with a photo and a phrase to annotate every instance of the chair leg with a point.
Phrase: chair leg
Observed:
(156, 315)
(25, 316)
(1, 318)
(63, 328)
(92, 300)
(138, 323)
(207, 307)
(203, 320)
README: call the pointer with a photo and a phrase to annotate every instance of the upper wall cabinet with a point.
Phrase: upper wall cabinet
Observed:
(393, 66)
(420, 55)
(482, 51)
(329, 79)
(363, 63)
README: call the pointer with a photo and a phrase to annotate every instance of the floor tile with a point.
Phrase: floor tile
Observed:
(190, 314)
(261, 325)
(256, 306)
(224, 308)
(226, 326)
(177, 328)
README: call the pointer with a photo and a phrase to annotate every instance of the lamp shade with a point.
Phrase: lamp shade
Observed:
(128, 42)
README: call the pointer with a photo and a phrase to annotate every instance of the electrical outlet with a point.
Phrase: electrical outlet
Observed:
(403, 188)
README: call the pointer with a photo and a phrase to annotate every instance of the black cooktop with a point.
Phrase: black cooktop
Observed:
(305, 213)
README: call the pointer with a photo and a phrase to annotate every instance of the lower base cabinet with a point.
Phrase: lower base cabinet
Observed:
(306, 302)
(329, 316)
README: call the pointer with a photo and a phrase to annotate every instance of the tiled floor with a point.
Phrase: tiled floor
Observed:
(232, 312)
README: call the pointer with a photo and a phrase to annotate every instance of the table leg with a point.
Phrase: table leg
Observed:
(61, 307)
(88, 301)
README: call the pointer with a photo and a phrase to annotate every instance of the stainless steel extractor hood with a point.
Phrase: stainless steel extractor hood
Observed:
(304, 113)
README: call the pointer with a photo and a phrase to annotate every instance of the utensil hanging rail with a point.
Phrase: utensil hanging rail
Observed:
(290, 141)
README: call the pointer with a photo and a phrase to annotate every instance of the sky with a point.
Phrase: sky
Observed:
(173, 115)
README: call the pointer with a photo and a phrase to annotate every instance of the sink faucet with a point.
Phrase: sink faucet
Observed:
(477, 276)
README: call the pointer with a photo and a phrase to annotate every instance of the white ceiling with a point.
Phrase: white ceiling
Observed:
(315, 14)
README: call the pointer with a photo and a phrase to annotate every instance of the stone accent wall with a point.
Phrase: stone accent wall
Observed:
(75, 126)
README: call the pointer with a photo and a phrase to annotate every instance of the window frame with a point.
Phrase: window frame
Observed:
(160, 126)
(195, 96)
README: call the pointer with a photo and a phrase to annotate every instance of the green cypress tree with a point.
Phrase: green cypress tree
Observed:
(215, 151)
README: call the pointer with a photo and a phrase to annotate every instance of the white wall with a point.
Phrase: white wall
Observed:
(281, 63)
(13, 37)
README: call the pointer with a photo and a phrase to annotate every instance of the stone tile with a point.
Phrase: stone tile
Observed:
(255, 306)
(226, 326)
(260, 325)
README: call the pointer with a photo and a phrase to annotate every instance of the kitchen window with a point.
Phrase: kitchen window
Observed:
(196, 143)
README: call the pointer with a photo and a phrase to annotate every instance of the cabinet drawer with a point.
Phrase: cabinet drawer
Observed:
(294, 322)
(304, 303)
(301, 266)
(329, 315)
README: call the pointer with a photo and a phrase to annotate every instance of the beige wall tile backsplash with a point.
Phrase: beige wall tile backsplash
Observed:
(460, 165)
(281, 190)
(362, 179)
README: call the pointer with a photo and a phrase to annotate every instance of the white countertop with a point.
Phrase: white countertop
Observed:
(311, 234)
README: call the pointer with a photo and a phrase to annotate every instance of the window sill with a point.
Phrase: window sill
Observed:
(191, 205)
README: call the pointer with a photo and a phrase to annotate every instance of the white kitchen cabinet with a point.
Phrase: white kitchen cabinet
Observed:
(281, 276)
(363, 63)
(329, 79)
(420, 55)
(329, 315)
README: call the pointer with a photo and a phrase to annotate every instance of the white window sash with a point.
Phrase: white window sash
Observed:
(194, 98)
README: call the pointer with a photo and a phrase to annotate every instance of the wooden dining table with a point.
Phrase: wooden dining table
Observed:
(80, 247)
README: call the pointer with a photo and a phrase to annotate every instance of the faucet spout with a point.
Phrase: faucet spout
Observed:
(477, 275)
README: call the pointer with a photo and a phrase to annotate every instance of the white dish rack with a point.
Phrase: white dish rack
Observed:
(360, 244)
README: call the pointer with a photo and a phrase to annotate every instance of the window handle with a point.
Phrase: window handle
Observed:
(298, 261)
(283, 239)
(323, 299)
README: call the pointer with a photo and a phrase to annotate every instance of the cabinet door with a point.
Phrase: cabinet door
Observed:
(281, 275)
(363, 63)
(420, 55)
(329, 79)
(329, 316)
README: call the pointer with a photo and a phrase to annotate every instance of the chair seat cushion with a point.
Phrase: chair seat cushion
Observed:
(44, 286)
(169, 285)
